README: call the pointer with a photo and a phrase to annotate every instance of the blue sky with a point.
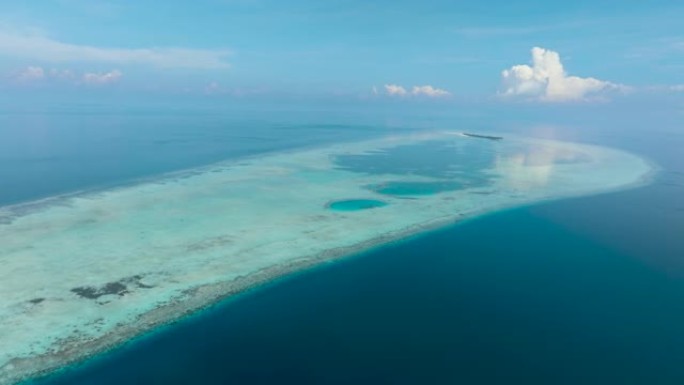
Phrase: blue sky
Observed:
(344, 48)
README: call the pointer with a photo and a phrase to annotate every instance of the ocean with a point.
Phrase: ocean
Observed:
(579, 291)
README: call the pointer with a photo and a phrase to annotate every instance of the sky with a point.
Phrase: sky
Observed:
(438, 50)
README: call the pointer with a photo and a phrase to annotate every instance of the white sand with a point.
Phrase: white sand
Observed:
(184, 240)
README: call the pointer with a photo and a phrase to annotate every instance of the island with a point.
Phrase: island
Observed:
(490, 137)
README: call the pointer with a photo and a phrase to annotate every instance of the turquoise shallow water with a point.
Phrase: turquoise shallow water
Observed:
(583, 291)
(415, 188)
(356, 204)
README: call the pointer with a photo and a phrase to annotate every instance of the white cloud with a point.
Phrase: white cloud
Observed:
(546, 80)
(102, 78)
(430, 91)
(395, 90)
(426, 90)
(37, 47)
(677, 88)
(36, 74)
(31, 74)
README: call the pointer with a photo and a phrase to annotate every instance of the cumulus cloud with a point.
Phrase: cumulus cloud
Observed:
(31, 74)
(546, 80)
(426, 90)
(395, 90)
(37, 47)
(429, 91)
(102, 78)
(35, 74)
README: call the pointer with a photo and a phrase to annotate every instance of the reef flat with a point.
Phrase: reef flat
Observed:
(85, 272)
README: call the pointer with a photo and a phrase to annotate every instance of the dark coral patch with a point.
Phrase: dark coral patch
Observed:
(91, 292)
(36, 301)
(120, 288)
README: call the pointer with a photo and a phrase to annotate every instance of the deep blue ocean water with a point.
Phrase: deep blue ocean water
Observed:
(581, 291)
(45, 154)
(509, 298)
